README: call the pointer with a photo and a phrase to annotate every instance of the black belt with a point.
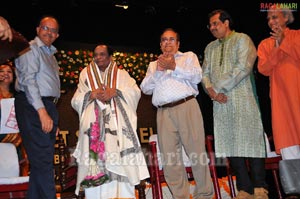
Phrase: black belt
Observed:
(172, 104)
(52, 99)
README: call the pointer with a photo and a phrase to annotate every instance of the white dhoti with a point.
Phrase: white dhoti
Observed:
(112, 190)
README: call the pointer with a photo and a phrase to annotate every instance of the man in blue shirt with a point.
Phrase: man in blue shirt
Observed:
(38, 88)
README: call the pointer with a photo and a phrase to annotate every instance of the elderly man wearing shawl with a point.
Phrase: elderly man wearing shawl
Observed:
(109, 155)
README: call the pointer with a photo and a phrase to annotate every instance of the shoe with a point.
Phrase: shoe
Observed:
(260, 193)
(244, 195)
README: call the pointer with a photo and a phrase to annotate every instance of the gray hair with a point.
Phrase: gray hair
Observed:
(285, 11)
(288, 13)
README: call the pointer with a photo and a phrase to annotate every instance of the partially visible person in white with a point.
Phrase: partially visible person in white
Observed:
(5, 30)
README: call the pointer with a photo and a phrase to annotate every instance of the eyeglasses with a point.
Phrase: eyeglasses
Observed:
(46, 28)
(215, 23)
(165, 39)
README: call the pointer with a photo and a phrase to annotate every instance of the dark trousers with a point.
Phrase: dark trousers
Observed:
(39, 147)
(245, 181)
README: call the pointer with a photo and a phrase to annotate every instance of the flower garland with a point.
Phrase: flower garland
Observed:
(72, 62)
(95, 175)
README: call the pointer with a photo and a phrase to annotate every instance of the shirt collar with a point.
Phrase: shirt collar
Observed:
(40, 44)
(227, 38)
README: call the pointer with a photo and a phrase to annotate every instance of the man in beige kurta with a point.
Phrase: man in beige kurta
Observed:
(238, 130)
(279, 58)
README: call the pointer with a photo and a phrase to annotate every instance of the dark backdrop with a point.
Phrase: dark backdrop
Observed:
(91, 21)
(87, 22)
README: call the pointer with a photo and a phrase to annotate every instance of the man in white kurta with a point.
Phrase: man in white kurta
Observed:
(108, 152)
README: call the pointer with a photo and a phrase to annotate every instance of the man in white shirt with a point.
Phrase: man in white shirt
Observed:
(172, 80)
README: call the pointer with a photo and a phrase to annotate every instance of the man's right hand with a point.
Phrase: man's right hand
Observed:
(46, 120)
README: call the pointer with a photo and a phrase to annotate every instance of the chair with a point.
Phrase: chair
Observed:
(13, 173)
(157, 175)
(209, 141)
(65, 173)
(272, 163)
(141, 190)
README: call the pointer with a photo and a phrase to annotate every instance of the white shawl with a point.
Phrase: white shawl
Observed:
(123, 152)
